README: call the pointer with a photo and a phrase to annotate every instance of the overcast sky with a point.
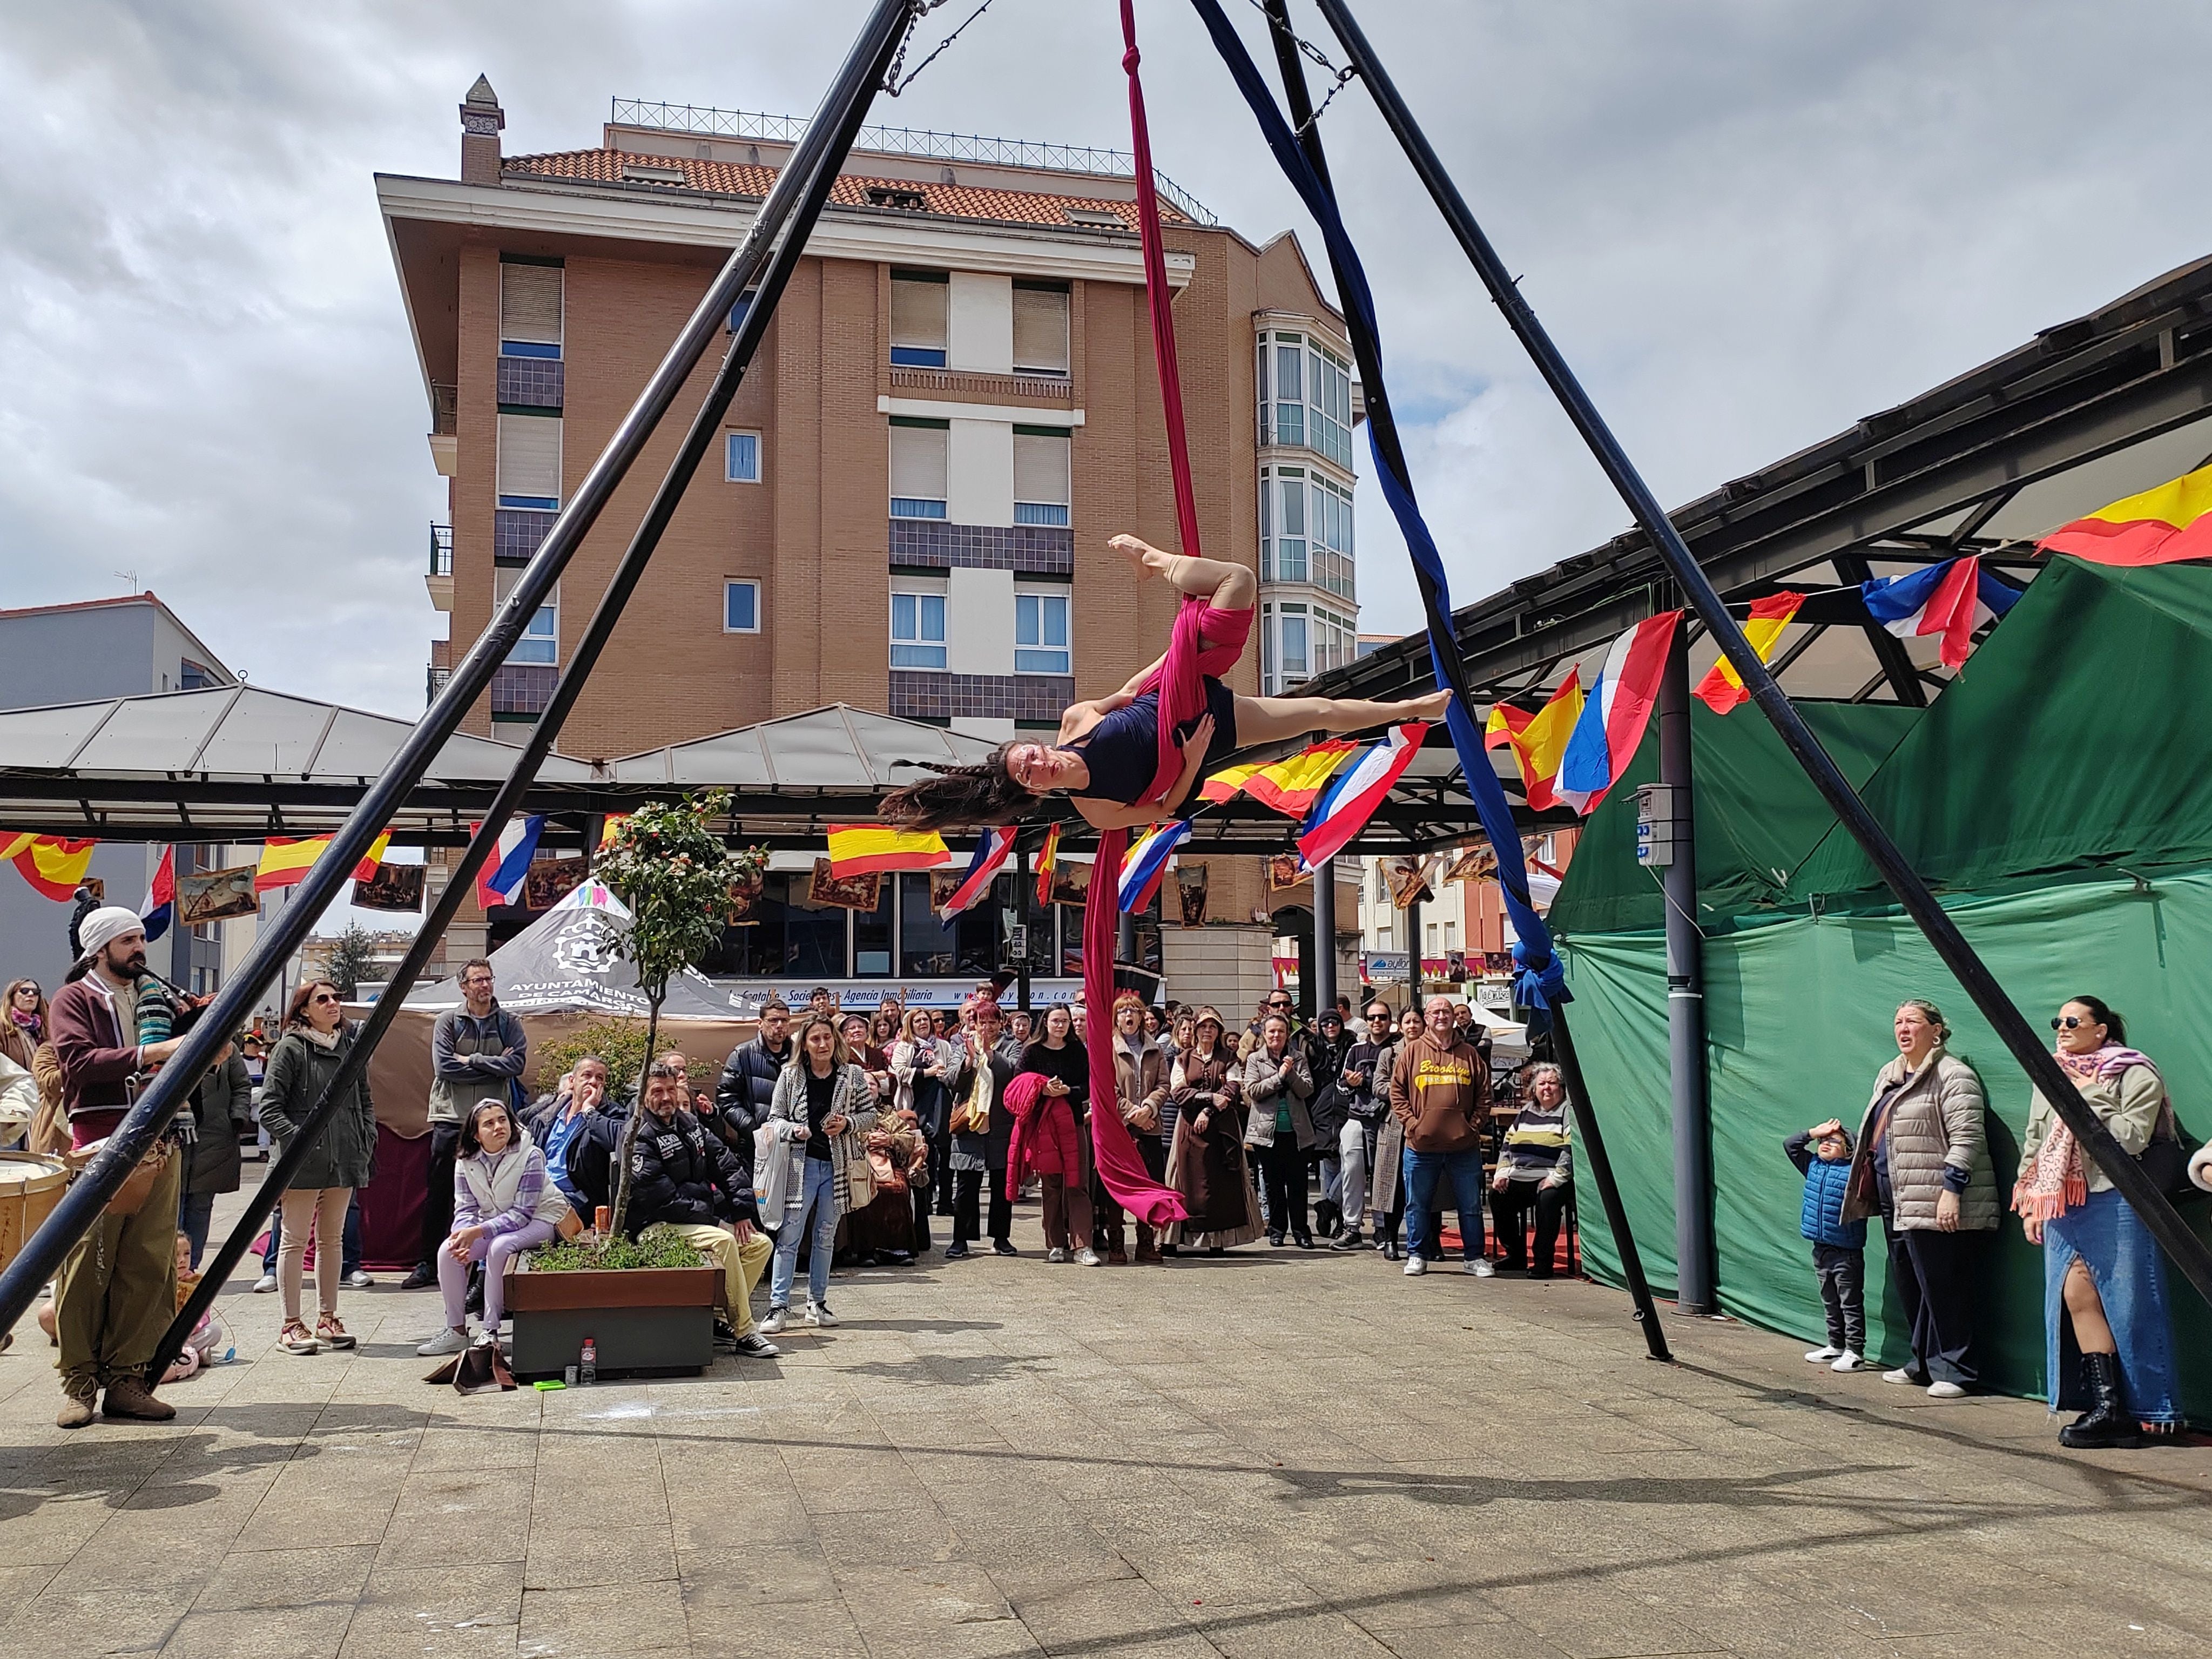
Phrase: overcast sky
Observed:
(1749, 224)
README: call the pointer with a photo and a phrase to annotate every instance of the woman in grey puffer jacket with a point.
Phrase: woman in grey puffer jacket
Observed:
(1923, 1164)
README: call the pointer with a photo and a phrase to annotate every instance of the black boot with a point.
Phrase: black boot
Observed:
(1325, 1223)
(2107, 1424)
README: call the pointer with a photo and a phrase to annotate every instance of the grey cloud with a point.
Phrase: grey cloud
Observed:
(1747, 222)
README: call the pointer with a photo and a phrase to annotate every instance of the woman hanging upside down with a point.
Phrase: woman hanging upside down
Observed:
(1107, 750)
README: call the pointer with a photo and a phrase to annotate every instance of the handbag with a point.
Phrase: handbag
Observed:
(480, 1368)
(889, 1177)
(2166, 1160)
(137, 1187)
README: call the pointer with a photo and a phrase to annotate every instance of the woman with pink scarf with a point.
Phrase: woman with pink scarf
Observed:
(2108, 1334)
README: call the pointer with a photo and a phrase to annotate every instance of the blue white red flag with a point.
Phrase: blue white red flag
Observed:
(160, 908)
(1615, 712)
(991, 855)
(1354, 794)
(500, 881)
(1953, 599)
(1145, 863)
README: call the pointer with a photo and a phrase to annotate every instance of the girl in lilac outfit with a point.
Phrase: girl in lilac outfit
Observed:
(502, 1203)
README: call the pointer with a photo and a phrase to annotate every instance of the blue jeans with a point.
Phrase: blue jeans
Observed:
(1423, 1170)
(816, 1198)
(195, 1210)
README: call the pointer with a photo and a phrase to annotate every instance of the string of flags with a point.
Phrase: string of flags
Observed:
(2159, 526)
(1048, 862)
(1342, 810)
(860, 849)
(286, 860)
(1147, 862)
(1952, 599)
(991, 855)
(1722, 687)
(54, 865)
(1614, 716)
(500, 880)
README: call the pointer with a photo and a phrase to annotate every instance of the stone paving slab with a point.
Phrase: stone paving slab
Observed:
(1272, 1453)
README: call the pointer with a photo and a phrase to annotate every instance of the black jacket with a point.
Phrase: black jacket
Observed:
(1331, 1102)
(592, 1153)
(742, 1093)
(1368, 1103)
(679, 1172)
(222, 1114)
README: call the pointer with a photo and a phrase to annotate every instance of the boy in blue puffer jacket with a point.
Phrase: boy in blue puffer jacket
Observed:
(1823, 1156)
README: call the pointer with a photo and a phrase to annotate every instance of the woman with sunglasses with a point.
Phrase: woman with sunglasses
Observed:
(342, 1157)
(2108, 1334)
(1921, 1163)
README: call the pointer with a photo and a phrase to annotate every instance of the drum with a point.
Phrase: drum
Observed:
(30, 1185)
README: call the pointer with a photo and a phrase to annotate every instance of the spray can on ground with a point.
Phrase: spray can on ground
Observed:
(587, 1363)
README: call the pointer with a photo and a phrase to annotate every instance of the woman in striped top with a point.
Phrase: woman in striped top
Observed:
(1535, 1170)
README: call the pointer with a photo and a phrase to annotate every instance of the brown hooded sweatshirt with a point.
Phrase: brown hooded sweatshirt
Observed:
(1440, 1092)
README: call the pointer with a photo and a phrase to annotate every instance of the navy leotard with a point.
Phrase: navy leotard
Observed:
(1123, 749)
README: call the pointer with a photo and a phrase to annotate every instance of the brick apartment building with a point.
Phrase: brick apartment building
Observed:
(954, 409)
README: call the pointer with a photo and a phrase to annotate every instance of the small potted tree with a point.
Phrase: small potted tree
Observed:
(646, 1304)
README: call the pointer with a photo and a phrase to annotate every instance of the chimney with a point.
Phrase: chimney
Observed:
(480, 120)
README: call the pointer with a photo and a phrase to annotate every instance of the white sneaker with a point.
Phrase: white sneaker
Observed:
(1415, 1267)
(448, 1340)
(1056, 1253)
(1480, 1268)
(1902, 1374)
(776, 1320)
(818, 1313)
(265, 1284)
(360, 1280)
(1822, 1356)
(1848, 1361)
(1086, 1257)
(1940, 1389)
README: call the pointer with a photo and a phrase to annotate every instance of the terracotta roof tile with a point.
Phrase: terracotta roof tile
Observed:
(1022, 206)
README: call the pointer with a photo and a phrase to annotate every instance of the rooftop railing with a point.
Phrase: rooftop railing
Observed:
(710, 123)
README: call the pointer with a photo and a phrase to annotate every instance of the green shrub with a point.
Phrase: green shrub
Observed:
(658, 1246)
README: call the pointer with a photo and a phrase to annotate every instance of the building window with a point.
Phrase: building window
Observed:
(1041, 329)
(1305, 396)
(541, 640)
(741, 457)
(1298, 641)
(741, 607)
(1305, 529)
(529, 308)
(1043, 459)
(1040, 636)
(530, 461)
(919, 304)
(194, 677)
(918, 467)
(917, 630)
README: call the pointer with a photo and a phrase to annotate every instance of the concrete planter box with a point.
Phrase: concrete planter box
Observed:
(645, 1321)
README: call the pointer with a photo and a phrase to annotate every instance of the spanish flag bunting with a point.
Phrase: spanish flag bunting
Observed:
(991, 855)
(1145, 863)
(51, 864)
(1289, 785)
(285, 860)
(2160, 526)
(857, 850)
(1047, 861)
(1722, 689)
(612, 822)
(1539, 740)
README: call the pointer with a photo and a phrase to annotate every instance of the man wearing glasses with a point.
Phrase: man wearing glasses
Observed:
(476, 1050)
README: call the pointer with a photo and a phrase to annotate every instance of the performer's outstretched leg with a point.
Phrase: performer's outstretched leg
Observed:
(1272, 720)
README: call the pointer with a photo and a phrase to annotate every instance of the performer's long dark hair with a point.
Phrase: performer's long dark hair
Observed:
(961, 795)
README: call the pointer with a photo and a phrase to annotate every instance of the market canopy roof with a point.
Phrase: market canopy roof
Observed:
(240, 763)
(2087, 412)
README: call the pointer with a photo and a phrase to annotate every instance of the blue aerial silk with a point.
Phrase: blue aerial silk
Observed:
(1539, 985)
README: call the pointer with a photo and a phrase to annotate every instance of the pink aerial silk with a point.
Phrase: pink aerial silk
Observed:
(1206, 641)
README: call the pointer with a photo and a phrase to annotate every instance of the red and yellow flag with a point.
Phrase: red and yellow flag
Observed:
(1047, 861)
(1722, 688)
(1539, 740)
(50, 863)
(1291, 785)
(2160, 526)
(285, 860)
(857, 850)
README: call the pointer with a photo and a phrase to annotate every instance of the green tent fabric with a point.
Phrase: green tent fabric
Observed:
(1757, 816)
(2069, 760)
(1798, 1016)
(2076, 737)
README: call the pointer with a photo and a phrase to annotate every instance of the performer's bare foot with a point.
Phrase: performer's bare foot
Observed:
(1430, 708)
(1144, 558)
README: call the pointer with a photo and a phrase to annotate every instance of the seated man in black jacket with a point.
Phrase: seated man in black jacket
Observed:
(684, 1176)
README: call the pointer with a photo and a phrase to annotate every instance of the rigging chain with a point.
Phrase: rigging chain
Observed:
(1339, 78)
(899, 78)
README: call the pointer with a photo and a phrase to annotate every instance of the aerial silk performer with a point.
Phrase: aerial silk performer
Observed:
(1133, 758)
